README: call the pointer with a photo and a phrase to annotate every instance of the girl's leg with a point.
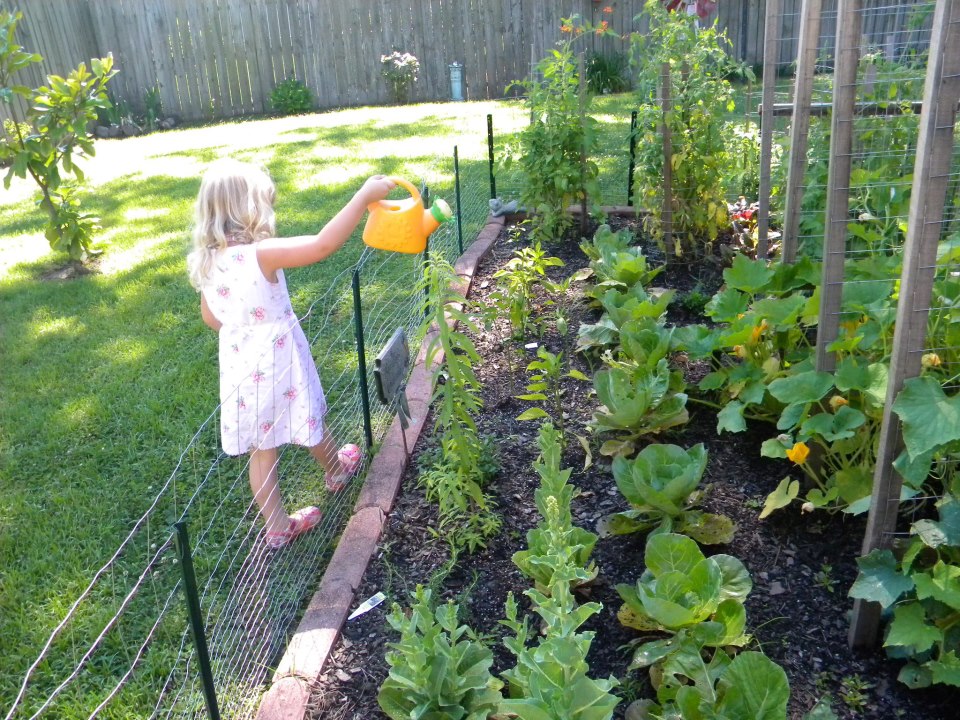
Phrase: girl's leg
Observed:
(325, 453)
(266, 490)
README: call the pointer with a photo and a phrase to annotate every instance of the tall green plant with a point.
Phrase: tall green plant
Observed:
(466, 516)
(553, 153)
(59, 116)
(701, 94)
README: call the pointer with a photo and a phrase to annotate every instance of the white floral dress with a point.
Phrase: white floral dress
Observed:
(270, 392)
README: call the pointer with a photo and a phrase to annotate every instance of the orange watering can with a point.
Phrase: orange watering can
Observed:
(403, 225)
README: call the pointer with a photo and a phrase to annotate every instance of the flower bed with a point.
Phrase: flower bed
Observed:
(801, 565)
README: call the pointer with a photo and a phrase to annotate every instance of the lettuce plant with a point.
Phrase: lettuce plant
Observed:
(615, 262)
(682, 590)
(637, 401)
(438, 668)
(662, 486)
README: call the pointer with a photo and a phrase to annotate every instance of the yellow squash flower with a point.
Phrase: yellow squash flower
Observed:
(758, 331)
(931, 360)
(837, 402)
(799, 453)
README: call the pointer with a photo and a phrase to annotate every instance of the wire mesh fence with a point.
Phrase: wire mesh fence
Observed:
(123, 647)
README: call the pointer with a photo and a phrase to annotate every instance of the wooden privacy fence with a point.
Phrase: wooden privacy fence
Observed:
(222, 58)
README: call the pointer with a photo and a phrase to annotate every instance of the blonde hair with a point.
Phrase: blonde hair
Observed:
(235, 205)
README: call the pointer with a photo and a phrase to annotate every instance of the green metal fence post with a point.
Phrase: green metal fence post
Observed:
(425, 258)
(361, 359)
(493, 179)
(181, 543)
(633, 157)
(456, 185)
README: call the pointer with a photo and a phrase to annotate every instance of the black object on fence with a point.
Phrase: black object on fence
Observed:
(456, 185)
(361, 360)
(633, 157)
(493, 179)
(181, 542)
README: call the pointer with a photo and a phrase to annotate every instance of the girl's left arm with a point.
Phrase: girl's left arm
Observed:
(208, 317)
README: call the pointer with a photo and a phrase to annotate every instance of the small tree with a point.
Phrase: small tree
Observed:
(53, 134)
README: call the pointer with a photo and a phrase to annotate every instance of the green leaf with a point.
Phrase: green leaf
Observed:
(754, 687)
(731, 418)
(751, 276)
(726, 305)
(879, 580)
(785, 494)
(782, 313)
(804, 387)
(821, 711)
(698, 341)
(942, 584)
(915, 676)
(533, 414)
(670, 552)
(774, 448)
(708, 528)
(911, 629)
(930, 419)
(946, 669)
(735, 581)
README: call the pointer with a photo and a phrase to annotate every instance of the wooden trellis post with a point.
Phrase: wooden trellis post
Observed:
(666, 208)
(800, 126)
(926, 222)
(771, 52)
(849, 28)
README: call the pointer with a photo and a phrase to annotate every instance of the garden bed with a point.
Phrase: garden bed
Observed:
(801, 565)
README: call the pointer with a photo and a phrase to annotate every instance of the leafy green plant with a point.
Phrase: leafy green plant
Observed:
(919, 585)
(545, 387)
(615, 262)
(438, 668)
(291, 97)
(554, 152)
(400, 70)
(153, 108)
(556, 542)
(637, 401)
(853, 692)
(59, 118)
(517, 282)
(701, 94)
(465, 512)
(608, 72)
(681, 589)
(662, 485)
(550, 679)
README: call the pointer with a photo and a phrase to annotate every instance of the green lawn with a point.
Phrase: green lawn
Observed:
(108, 377)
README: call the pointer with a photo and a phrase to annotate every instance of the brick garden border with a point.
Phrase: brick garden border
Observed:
(316, 635)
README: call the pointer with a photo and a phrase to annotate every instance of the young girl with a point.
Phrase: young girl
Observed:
(270, 391)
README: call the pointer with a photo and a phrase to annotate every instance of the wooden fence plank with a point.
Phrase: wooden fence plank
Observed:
(774, 18)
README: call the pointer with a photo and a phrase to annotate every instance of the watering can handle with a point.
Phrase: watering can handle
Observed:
(406, 185)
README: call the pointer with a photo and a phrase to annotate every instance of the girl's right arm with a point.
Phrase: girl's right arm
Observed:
(276, 253)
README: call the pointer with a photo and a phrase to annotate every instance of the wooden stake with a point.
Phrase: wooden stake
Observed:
(771, 50)
(925, 226)
(666, 209)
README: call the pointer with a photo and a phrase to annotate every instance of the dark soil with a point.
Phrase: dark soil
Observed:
(802, 565)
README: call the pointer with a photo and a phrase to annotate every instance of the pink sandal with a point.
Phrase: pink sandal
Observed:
(349, 457)
(301, 521)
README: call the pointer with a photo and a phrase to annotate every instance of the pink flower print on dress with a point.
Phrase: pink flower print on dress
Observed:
(235, 348)
(280, 341)
(312, 422)
(238, 258)
(290, 393)
(242, 404)
(223, 291)
(258, 376)
(266, 427)
(258, 314)
(288, 312)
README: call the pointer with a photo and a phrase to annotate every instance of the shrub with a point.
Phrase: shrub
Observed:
(607, 72)
(400, 69)
(291, 97)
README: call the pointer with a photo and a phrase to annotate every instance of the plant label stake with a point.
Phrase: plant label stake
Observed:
(390, 375)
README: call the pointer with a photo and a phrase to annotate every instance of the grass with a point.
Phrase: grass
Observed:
(107, 377)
